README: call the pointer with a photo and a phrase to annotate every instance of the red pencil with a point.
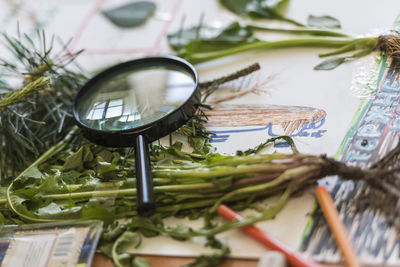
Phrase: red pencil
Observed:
(293, 257)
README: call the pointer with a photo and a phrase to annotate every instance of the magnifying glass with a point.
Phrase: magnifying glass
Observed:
(134, 103)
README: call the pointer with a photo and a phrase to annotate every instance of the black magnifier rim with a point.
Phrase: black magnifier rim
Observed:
(153, 130)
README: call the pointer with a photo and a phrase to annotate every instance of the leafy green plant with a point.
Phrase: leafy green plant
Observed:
(71, 182)
(199, 44)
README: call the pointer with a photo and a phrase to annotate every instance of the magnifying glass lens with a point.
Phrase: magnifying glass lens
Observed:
(135, 98)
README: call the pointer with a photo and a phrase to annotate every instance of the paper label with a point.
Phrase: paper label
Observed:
(55, 248)
(29, 250)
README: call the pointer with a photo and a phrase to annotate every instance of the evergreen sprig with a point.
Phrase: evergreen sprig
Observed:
(35, 110)
(23, 93)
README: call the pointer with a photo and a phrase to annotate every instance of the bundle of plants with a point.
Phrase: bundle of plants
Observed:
(203, 43)
(91, 182)
(36, 94)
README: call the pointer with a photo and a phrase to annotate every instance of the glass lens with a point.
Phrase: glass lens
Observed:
(135, 98)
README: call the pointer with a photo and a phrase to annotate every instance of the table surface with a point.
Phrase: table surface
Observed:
(102, 261)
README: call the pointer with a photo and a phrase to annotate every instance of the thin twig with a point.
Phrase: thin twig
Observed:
(258, 88)
(243, 72)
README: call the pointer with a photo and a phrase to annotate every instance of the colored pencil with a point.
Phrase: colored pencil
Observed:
(293, 257)
(337, 227)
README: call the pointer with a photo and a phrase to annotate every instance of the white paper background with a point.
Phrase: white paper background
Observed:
(296, 83)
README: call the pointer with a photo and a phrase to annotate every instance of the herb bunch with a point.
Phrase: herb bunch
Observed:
(71, 182)
(35, 100)
(202, 43)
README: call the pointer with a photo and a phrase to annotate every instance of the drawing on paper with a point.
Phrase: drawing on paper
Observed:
(275, 119)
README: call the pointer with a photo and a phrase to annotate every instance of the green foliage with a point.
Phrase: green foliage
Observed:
(266, 143)
(323, 22)
(20, 95)
(211, 259)
(93, 210)
(36, 113)
(202, 43)
(270, 9)
(204, 39)
(77, 160)
(330, 63)
(361, 50)
(66, 183)
(123, 259)
(130, 14)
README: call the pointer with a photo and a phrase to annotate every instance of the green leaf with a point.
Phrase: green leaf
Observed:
(278, 6)
(76, 161)
(94, 210)
(131, 14)
(123, 259)
(272, 140)
(182, 37)
(50, 184)
(211, 259)
(50, 209)
(3, 220)
(323, 22)
(236, 6)
(141, 224)
(200, 145)
(330, 63)
(180, 229)
(103, 167)
(271, 9)
(18, 204)
(113, 231)
(27, 192)
(204, 39)
(106, 155)
(33, 172)
(70, 177)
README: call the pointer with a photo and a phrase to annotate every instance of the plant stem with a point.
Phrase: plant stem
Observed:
(300, 30)
(301, 42)
(116, 184)
(232, 161)
(360, 43)
(230, 77)
(208, 174)
(290, 174)
(130, 191)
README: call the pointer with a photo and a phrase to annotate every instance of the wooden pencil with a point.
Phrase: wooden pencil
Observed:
(337, 227)
(295, 258)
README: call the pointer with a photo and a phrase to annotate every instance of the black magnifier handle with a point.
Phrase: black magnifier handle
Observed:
(146, 205)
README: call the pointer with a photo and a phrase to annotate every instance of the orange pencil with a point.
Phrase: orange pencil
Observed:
(337, 227)
(293, 257)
